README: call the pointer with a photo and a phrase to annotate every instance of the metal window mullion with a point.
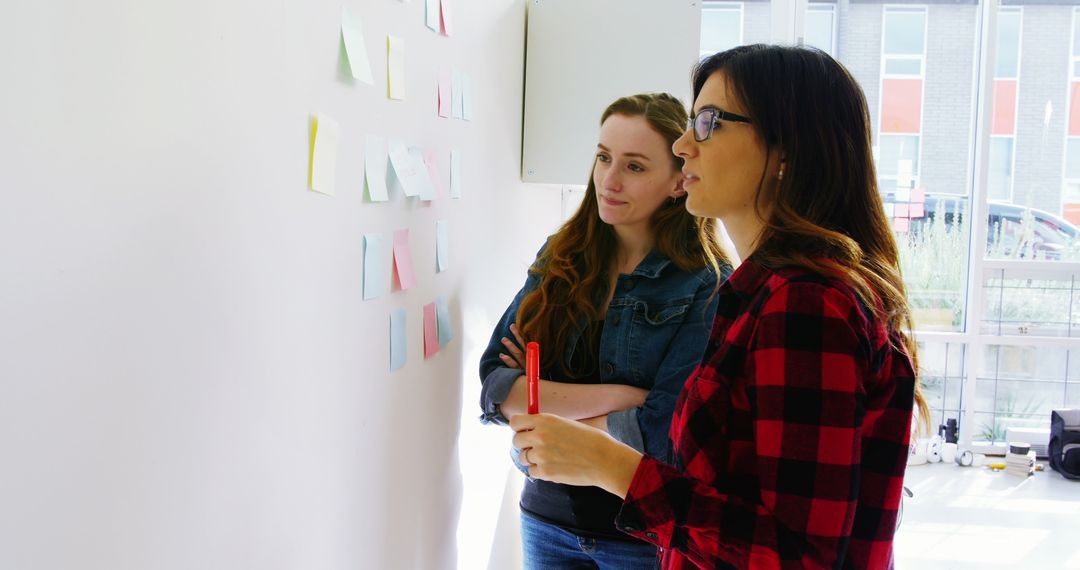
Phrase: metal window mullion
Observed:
(984, 83)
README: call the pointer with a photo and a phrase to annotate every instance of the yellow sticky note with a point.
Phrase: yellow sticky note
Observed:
(323, 172)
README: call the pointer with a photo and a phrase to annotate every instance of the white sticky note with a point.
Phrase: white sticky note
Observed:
(423, 179)
(447, 24)
(375, 169)
(405, 172)
(352, 33)
(433, 15)
(395, 67)
(466, 97)
(442, 246)
(455, 174)
(324, 154)
(375, 266)
(455, 94)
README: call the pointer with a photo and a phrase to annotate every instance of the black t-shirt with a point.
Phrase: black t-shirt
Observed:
(585, 511)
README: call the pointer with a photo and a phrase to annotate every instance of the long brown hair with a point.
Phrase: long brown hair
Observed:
(574, 267)
(826, 214)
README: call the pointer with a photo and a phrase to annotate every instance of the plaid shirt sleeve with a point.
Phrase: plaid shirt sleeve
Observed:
(784, 492)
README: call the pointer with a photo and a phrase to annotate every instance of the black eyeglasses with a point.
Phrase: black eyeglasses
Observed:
(706, 120)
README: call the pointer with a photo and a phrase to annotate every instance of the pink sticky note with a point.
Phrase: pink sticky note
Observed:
(901, 224)
(446, 20)
(916, 211)
(901, 211)
(918, 196)
(403, 259)
(431, 335)
(444, 91)
(433, 172)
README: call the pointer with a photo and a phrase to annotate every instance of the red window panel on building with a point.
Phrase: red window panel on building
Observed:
(1004, 121)
(901, 105)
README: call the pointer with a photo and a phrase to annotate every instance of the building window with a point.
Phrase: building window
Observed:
(904, 45)
(721, 26)
(897, 161)
(820, 29)
(999, 182)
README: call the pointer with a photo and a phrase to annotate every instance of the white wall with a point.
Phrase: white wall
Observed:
(188, 375)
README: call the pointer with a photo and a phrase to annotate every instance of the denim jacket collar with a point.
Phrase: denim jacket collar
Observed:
(653, 264)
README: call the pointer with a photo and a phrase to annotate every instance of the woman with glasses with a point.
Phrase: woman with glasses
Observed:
(620, 300)
(791, 436)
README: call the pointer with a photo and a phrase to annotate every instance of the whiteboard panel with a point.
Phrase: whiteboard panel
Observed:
(581, 56)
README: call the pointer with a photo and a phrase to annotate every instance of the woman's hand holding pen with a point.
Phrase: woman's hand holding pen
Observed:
(565, 451)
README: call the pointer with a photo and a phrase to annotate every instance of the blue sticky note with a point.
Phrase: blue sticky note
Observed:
(375, 282)
(398, 347)
(442, 312)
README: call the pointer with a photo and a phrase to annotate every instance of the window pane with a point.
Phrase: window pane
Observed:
(1072, 159)
(1023, 303)
(897, 154)
(999, 185)
(819, 27)
(896, 66)
(1076, 32)
(1018, 386)
(721, 28)
(1008, 43)
(904, 32)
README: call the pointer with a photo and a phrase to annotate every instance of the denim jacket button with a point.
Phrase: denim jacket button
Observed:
(628, 285)
(615, 319)
(609, 368)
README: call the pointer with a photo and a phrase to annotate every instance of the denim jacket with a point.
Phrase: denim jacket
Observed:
(654, 335)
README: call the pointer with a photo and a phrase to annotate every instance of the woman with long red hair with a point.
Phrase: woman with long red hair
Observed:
(619, 300)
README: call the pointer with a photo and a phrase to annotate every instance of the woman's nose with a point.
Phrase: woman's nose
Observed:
(610, 179)
(683, 145)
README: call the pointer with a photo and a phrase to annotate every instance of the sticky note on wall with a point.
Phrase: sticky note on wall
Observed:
(442, 310)
(352, 34)
(431, 338)
(403, 260)
(442, 246)
(324, 142)
(455, 174)
(444, 91)
(399, 348)
(375, 169)
(395, 67)
(375, 266)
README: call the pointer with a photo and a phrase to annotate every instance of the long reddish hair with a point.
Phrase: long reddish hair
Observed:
(574, 267)
(826, 212)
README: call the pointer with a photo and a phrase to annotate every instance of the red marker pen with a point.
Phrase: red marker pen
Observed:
(532, 375)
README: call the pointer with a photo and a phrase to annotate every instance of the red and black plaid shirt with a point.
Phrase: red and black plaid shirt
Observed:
(791, 436)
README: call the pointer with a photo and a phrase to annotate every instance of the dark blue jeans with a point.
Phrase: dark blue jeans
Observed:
(548, 547)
